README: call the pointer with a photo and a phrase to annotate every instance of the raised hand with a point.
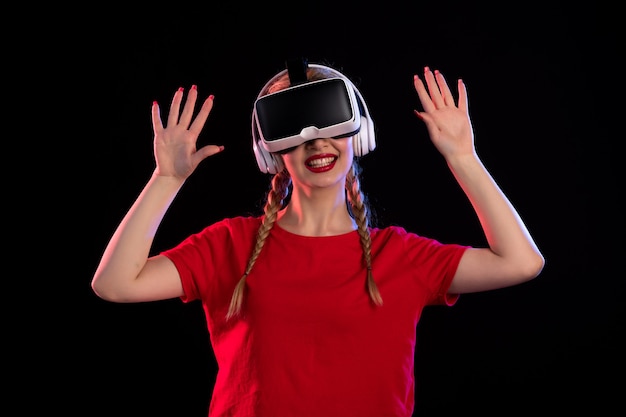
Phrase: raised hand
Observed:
(448, 124)
(175, 144)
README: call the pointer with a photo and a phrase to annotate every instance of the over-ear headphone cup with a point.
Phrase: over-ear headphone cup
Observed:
(276, 165)
(370, 141)
(267, 162)
(362, 139)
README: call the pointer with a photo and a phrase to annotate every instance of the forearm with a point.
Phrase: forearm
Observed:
(506, 233)
(127, 252)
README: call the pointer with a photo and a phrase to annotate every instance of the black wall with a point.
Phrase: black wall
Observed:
(532, 75)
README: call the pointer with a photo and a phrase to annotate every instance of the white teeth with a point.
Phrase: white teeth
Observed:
(316, 163)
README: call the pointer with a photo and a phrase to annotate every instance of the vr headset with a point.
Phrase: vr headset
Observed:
(327, 108)
(319, 109)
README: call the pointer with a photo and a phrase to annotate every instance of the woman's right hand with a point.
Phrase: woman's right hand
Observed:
(175, 144)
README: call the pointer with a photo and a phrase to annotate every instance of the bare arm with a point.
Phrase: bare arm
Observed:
(512, 256)
(126, 273)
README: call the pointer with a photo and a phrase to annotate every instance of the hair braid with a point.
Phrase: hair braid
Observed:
(275, 199)
(361, 215)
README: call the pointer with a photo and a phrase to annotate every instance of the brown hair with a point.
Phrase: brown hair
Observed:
(279, 191)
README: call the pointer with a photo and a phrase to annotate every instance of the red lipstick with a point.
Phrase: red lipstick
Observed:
(321, 162)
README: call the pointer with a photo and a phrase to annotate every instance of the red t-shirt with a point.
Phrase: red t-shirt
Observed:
(310, 342)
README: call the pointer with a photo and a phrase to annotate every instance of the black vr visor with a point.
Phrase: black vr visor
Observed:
(319, 109)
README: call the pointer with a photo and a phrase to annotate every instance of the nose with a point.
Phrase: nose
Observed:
(317, 143)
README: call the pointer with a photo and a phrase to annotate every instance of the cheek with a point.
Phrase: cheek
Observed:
(290, 160)
(345, 146)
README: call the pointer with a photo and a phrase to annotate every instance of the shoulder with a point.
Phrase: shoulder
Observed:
(240, 222)
(397, 235)
(391, 232)
(232, 228)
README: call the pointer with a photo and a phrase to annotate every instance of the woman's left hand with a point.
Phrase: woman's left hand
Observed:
(448, 124)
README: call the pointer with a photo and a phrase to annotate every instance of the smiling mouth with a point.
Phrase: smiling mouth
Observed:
(321, 162)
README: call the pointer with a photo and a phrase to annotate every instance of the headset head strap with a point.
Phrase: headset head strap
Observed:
(297, 70)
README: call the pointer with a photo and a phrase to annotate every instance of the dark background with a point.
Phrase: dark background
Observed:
(550, 345)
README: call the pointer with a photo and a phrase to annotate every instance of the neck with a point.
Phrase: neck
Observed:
(319, 216)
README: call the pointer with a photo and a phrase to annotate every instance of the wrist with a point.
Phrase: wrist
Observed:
(166, 181)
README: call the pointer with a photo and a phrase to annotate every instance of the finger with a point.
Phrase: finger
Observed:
(427, 103)
(206, 151)
(448, 99)
(463, 103)
(157, 124)
(172, 118)
(202, 116)
(433, 88)
(424, 117)
(190, 103)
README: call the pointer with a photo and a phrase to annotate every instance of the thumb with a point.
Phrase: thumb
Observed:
(206, 151)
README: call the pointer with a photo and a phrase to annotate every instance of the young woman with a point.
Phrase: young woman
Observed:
(311, 310)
